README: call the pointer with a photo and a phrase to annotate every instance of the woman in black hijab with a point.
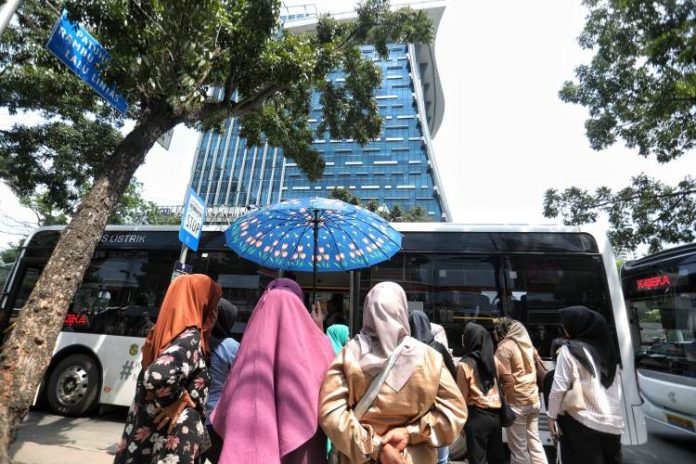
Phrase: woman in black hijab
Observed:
(592, 421)
(227, 316)
(421, 331)
(223, 351)
(588, 330)
(476, 378)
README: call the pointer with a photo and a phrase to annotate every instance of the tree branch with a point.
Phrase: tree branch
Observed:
(201, 81)
(229, 87)
(633, 197)
(239, 108)
(668, 211)
(249, 104)
(355, 30)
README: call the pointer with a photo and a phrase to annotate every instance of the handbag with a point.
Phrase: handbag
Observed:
(507, 415)
(541, 370)
(369, 397)
(574, 399)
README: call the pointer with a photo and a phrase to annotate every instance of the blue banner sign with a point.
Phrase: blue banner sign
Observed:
(81, 52)
(192, 220)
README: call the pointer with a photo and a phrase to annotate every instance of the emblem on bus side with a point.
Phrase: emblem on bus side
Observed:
(133, 350)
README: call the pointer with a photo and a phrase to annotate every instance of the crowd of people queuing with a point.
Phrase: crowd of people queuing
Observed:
(291, 393)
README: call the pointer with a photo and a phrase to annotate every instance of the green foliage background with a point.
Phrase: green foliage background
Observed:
(640, 89)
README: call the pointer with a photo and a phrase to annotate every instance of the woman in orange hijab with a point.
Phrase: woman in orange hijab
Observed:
(165, 421)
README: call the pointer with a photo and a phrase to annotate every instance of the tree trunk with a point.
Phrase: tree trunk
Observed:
(27, 353)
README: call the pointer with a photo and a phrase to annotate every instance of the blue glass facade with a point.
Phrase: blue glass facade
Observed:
(396, 168)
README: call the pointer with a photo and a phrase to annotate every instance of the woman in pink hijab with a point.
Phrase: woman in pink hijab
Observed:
(268, 410)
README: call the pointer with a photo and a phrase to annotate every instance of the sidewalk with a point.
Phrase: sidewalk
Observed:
(49, 439)
(45, 438)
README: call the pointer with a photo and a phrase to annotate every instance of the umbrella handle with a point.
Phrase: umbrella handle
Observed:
(314, 261)
(318, 315)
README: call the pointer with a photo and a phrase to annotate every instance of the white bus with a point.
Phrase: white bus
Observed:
(455, 273)
(660, 292)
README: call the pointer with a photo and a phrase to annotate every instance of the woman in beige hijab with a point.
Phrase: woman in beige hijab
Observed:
(515, 361)
(418, 408)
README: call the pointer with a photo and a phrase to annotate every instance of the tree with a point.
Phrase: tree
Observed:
(344, 195)
(417, 214)
(7, 258)
(47, 214)
(9, 255)
(167, 58)
(55, 160)
(646, 212)
(640, 87)
(396, 213)
(372, 205)
(132, 208)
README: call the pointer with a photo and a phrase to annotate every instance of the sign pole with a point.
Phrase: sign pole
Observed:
(184, 252)
(192, 221)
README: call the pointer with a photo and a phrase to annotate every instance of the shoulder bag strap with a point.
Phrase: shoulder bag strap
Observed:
(369, 397)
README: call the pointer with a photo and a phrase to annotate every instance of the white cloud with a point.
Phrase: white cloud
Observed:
(506, 137)
(166, 173)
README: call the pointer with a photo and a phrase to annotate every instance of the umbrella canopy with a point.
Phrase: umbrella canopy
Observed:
(313, 234)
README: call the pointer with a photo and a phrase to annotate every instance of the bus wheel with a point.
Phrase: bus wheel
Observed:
(73, 386)
(458, 448)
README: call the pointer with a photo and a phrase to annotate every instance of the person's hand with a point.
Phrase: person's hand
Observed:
(390, 455)
(398, 438)
(172, 412)
(318, 315)
(553, 428)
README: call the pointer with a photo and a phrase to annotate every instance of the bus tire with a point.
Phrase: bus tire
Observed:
(457, 450)
(73, 386)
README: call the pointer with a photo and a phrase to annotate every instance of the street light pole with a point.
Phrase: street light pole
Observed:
(7, 10)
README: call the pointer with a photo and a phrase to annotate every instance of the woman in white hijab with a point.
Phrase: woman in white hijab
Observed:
(515, 362)
(417, 409)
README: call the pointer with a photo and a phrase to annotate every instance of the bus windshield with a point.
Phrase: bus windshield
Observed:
(122, 289)
(662, 299)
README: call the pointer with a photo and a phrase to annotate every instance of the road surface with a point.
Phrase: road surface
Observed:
(46, 438)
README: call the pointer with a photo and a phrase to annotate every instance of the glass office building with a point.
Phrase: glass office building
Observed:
(399, 167)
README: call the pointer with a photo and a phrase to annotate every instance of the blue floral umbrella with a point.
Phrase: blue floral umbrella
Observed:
(313, 235)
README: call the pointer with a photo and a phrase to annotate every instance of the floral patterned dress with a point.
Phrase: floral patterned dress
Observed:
(181, 366)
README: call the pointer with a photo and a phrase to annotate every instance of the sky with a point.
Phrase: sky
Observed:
(506, 136)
